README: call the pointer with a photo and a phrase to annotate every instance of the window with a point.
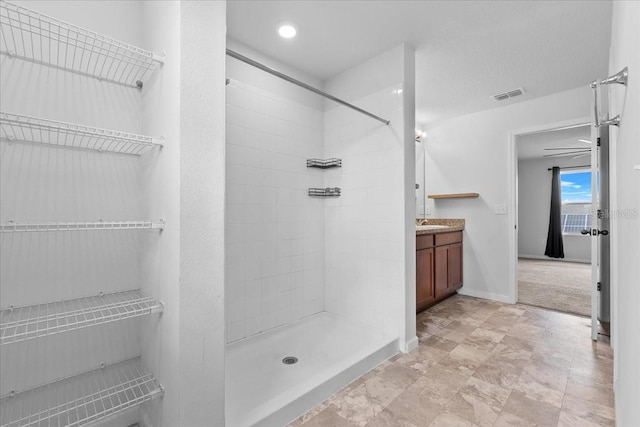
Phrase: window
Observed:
(576, 200)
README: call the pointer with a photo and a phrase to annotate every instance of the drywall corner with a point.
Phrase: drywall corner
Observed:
(202, 178)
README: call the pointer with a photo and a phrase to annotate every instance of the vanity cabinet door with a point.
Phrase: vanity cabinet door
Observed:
(425, 292)
(441, 276)
(454, 267)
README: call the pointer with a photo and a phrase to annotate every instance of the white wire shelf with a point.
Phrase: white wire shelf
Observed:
(82, 399)
(16, 227)
(41, 39)
(15, 127)
(35, 321)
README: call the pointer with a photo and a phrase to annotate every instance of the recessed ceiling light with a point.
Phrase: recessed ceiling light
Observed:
(287, 30)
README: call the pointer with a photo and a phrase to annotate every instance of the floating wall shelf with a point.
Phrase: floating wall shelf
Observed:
(14, 227)
(324, 164)
(35, 321)
(453, 196)
(44, 40)
(82, 399)
(325, 192)
(14, 127)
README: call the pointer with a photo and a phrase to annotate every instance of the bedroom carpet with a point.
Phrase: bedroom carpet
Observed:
(557, 285)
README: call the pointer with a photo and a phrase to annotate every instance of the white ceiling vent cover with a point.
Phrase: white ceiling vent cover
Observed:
(508, 94)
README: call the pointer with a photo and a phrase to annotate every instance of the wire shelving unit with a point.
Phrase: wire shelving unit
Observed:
(44, 40)
(82, 399)
(90, 396)
(35, 321)
(15, 127)
(16, 227)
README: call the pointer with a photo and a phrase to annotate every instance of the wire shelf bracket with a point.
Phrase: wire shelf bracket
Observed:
(44, 40)
(81, 399)
(324, 164)
(325, 192)
(15, 227)
(15, 127)
(35, 321)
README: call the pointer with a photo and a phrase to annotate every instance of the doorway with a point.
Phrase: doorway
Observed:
(600, 255)
(561, 282)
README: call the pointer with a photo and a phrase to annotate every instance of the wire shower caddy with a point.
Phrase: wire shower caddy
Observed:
(325, 192)
(16, 127)
(44, 40)
(324, 164)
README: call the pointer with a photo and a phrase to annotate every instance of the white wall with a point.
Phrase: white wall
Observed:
(534, 201)
(202, 178)
(366, 227)
(625, 227)
(471, 154)
(161, 195)
(274, 230)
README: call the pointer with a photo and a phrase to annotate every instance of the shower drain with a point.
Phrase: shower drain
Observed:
(290, 360)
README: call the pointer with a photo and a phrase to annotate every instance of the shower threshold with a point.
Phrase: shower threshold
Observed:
(263, 387)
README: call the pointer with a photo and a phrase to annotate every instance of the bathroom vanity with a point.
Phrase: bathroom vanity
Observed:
(438, 261)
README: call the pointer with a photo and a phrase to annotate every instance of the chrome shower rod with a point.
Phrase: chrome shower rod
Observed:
(297, 82)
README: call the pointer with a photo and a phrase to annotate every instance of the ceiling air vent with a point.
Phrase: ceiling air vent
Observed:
(508, 94)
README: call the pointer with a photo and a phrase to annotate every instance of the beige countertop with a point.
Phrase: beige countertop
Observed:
(438, 225)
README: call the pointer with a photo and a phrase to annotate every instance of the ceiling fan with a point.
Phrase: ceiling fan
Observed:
(568, 151)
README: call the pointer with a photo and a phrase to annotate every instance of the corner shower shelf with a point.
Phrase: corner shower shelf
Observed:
(82, 399)
(14, 227)
(453, 196)
(35, 321)
(15, 127)
(324, 164)
(45, 40)
(325, 192)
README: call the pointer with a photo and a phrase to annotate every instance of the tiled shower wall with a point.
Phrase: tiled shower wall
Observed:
(274, 230)
(365, 254)
(370, 231)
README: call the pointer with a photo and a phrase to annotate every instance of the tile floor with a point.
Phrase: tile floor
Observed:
(483, 363)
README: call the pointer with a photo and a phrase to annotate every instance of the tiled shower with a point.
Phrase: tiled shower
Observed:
(320, 279)
(274, 231)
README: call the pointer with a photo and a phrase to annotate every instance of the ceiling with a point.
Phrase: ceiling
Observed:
(537, 145)
(466, 51)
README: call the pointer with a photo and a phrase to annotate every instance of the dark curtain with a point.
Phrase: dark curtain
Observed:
(555, 247)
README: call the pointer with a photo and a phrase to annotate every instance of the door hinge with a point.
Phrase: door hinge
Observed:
(599, 286)
(598, 142)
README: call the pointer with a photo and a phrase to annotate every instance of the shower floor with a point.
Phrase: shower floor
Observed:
(332, 352)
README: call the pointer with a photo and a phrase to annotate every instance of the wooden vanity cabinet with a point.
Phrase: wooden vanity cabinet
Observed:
(438, 267)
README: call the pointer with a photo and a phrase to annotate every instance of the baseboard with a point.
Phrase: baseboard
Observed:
(546, 258)
(485, 295)
(410, 345)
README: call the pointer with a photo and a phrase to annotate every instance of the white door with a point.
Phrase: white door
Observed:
(599, 233)
(595, 227)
